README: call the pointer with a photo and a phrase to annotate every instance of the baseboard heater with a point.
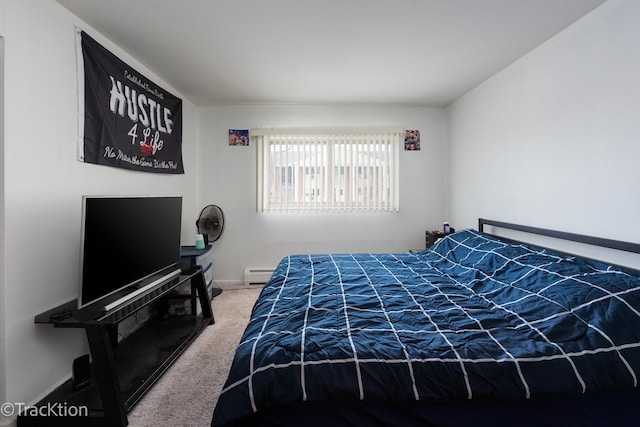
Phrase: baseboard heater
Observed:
(257, 275)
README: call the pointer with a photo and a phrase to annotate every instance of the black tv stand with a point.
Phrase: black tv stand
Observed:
(121, 372)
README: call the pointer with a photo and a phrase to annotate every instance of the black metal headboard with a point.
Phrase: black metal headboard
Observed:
(580, 238)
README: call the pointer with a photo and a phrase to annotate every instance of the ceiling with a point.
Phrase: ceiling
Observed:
(327, 52)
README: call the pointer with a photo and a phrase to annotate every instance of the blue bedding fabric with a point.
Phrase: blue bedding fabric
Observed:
(471, 318)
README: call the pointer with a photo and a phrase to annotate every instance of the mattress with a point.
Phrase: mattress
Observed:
(472, 319)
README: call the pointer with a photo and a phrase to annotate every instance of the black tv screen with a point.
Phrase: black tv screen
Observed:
(127, 243)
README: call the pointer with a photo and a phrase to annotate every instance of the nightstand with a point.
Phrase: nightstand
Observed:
(432, 236)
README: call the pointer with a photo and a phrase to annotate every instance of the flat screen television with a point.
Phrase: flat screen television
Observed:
(128, 245)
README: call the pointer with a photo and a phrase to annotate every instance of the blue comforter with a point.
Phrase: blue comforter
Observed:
(471, 318)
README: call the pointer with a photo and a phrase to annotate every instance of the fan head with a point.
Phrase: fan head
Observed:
(210, 223)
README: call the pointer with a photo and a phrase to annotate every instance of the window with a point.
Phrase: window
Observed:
(331, 170)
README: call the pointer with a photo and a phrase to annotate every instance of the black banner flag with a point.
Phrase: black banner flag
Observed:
(126, 120)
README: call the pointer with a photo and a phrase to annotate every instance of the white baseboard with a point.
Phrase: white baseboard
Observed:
(234, 284)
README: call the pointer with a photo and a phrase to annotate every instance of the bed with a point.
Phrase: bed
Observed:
(476, 330)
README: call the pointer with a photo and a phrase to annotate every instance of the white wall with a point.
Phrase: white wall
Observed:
(2, 251)
(43, 187)
(552, 140)
(549, 141)
(227, 178)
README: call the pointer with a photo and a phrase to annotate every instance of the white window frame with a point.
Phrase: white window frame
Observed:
(370, 157)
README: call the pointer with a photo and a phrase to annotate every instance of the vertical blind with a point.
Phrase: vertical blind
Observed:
(316, 170)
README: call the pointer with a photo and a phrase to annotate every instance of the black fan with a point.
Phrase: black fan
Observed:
(210, 223)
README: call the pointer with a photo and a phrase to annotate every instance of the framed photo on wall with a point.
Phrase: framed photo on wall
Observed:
(239, 137)
(412, 140)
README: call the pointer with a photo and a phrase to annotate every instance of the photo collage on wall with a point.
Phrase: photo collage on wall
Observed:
(412, 140)
(239, 137)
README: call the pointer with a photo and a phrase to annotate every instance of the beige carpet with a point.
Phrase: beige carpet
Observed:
(187, 393)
